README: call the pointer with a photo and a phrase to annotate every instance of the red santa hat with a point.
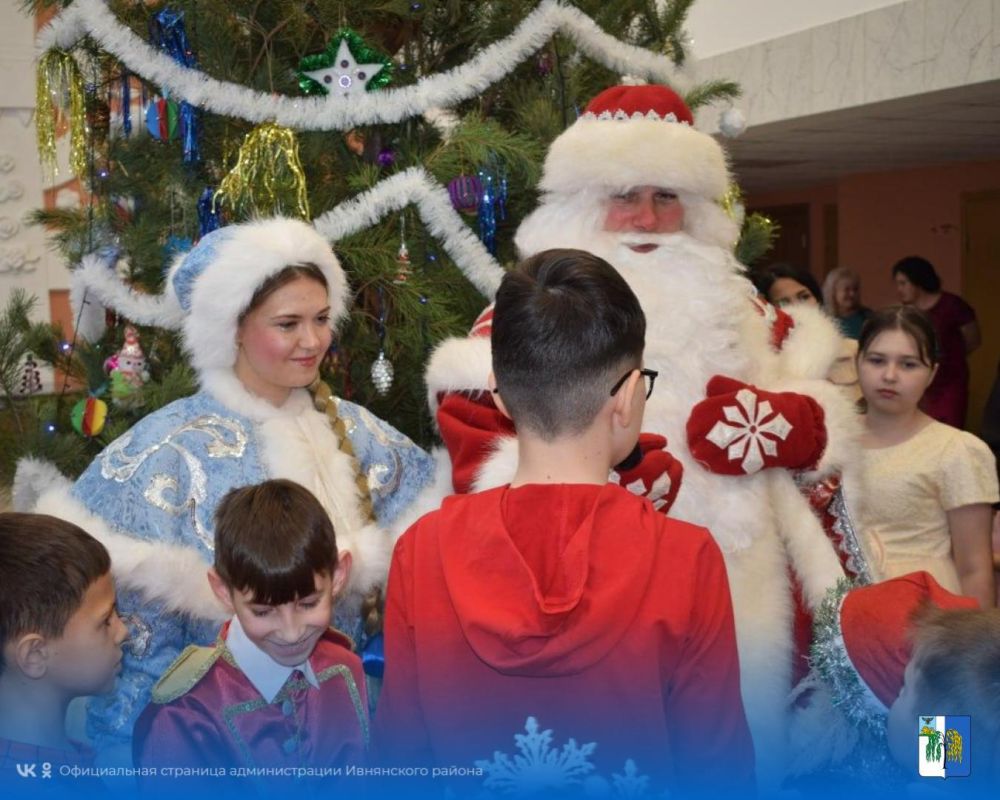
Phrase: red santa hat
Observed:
(636, 136)
(875, 623)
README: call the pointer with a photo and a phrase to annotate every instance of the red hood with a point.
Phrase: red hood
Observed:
(562, 605)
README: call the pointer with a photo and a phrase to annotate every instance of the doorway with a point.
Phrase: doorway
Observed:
(981, 288)
(791, 246)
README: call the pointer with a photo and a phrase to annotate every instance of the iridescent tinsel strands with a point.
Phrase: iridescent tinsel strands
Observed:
(60, 84)
(268, 177)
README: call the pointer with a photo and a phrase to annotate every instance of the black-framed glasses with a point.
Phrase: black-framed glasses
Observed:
(648, 375)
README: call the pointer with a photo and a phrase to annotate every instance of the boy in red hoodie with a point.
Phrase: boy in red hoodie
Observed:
(562, 608)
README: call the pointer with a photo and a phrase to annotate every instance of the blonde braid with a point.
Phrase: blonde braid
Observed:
(373, 604)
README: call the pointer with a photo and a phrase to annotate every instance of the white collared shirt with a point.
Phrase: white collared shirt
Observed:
(266, 674)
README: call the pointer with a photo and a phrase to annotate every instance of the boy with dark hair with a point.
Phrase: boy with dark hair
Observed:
(280, 688)
(562, 601)
(61, 639)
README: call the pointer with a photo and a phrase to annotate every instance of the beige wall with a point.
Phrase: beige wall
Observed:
(718, 26)
(899, 50)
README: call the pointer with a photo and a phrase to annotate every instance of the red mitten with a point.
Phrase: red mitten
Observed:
(739, 429)
(650, 472)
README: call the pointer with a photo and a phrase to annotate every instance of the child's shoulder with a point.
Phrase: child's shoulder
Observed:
(459, 503)
(677, 535)
(454, 512)
(185, 673)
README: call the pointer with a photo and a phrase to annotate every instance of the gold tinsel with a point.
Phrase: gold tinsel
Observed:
(58, 80)
(732, 203)
(268, 177)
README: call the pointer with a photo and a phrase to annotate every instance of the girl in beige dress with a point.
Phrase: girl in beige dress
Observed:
(928, 486)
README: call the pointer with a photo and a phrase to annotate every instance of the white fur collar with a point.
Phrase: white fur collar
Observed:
(225, 387)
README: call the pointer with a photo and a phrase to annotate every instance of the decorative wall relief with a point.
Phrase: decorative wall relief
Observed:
(17, 258)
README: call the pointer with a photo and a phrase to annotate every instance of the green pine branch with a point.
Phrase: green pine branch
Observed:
(757, 237)
(671, 19)
(711, 92)
(478, 142)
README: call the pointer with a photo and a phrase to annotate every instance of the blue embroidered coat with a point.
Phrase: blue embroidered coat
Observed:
(152, 494)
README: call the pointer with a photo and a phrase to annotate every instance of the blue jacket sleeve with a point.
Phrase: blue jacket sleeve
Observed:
(396, 468)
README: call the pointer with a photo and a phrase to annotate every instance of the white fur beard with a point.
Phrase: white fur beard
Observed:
(696, 309)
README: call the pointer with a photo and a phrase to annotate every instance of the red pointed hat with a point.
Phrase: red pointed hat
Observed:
(636, 136)
(875, 622)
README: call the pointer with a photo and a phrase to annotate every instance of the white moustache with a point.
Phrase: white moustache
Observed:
(633, 239)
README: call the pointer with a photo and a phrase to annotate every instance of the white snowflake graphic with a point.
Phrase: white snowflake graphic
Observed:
(748, 437)
(631, 784)
(539, 768)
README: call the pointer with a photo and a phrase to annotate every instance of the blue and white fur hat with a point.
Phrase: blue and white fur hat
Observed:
(210, 286)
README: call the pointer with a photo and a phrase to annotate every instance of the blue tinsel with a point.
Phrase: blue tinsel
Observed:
(126, 103)
(208, 216)
(167, 32)
(487, 213)
(502, 195)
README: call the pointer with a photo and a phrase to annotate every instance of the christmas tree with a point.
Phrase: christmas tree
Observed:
(189, 115)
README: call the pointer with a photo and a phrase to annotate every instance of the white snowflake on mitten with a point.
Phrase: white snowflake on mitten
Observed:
(745, 436)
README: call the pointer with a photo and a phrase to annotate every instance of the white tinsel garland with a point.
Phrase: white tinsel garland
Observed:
(96, 286)
(433, 204)
(828, 656)
(335, 113)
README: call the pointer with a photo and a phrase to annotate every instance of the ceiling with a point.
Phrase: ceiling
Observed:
(961, 124)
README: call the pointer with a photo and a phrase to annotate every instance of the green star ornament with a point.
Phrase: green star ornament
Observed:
(346, 67)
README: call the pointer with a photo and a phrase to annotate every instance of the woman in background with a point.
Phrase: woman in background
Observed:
(930, 485)
(786, 287)
(842, 293)
(954, 321)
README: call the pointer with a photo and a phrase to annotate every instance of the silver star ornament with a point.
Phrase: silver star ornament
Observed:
(346, 76)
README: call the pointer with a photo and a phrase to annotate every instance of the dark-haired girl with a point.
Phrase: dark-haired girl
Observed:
(928, 485)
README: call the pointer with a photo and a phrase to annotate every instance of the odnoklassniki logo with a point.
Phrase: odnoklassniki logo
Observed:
(944, 746)
(27, 770)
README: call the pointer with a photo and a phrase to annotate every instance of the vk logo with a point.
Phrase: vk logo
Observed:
(26, 770)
